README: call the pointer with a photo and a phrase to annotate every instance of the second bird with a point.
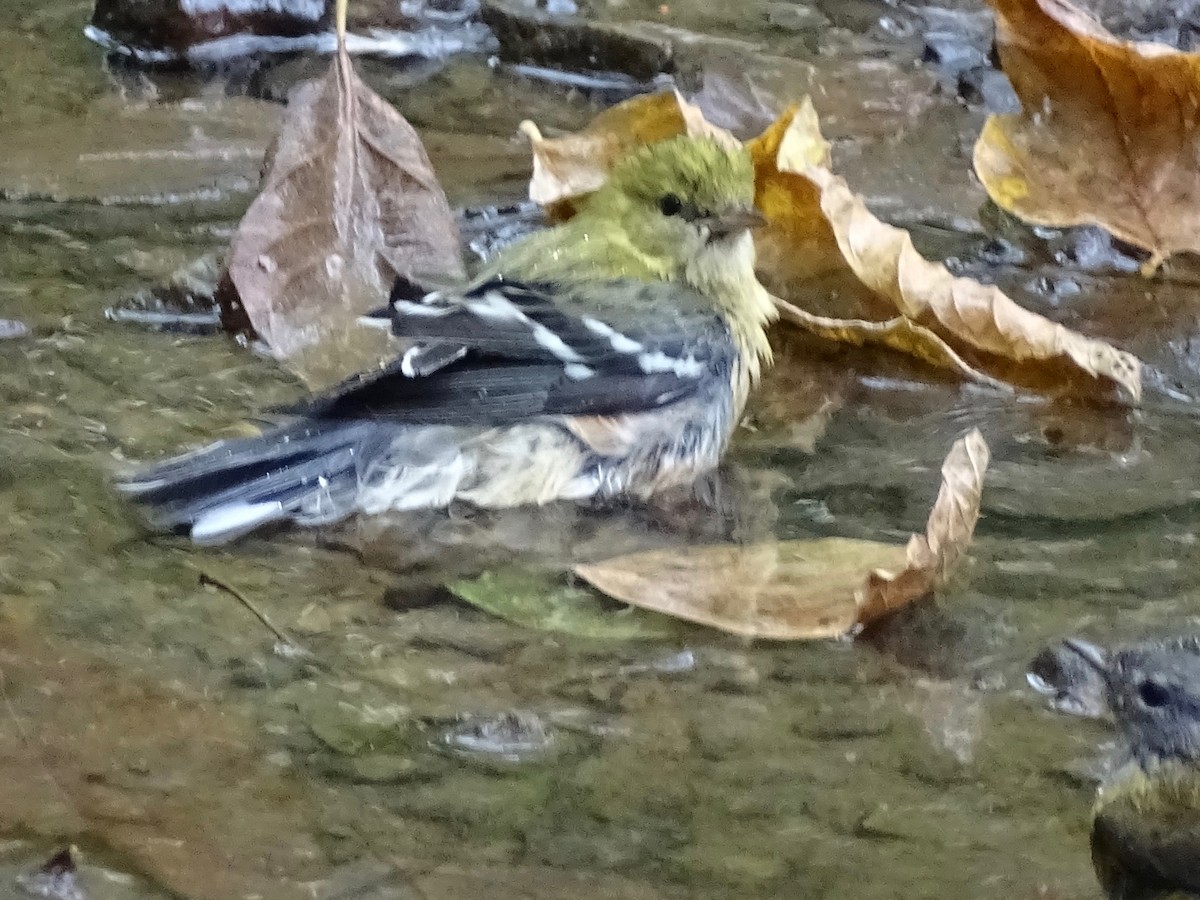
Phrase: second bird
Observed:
(608, 356)
(1146, 831)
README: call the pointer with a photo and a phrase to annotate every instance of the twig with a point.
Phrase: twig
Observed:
(241, 598)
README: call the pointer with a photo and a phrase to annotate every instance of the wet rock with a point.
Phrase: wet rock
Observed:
(353, 731)
(11, 329)
(1095, 250)
(487, 230)
(169, 27)
(512, 738)
(382, 768)
(185, 303)
(504, 806)
(604, 87)
(989, 87)
(421, 596)
(1001, 252)
(796, 17)
(971, 26)
(1054, 289)
(844, 722)
(200, 32)
(1173, 23)
(864, 17)
(55, 880)
(1189, 36)
(533, 36)
(952, 54)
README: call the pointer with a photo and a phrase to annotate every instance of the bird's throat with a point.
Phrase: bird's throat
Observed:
(724, 271)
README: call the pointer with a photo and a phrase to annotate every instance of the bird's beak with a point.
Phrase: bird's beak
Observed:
(1089, 653)
(733, 221)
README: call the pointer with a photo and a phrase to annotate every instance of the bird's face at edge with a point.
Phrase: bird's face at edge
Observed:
(1154, 694)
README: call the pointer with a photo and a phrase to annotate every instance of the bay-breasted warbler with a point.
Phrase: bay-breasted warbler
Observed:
(1146, 825)
(607, 356)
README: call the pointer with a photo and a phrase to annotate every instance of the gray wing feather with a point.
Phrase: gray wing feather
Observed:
(504, 351)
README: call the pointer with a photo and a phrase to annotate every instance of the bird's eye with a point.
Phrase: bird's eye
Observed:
(1153, 694)
(670, 205)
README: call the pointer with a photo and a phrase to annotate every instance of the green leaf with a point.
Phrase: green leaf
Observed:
(542, 601)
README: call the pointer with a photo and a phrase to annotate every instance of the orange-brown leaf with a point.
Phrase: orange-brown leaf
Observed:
(797, 242)
(349, 201)
(954, 322)
(789, 590)
(932, 556)
(1109, 133)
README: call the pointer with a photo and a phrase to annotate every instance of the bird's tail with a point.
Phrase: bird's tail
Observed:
(307, 473)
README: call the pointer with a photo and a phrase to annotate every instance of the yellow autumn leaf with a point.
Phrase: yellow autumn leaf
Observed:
(1109, 133)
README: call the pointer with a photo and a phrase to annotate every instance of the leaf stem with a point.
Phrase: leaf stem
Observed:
(340, 20)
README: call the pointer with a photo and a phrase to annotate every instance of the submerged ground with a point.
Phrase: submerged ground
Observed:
(426, 749)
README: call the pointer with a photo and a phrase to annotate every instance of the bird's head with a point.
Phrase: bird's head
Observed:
(686, 201)
(685, 207)
(1154, 694)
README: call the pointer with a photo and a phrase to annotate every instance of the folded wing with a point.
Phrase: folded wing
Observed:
(503, 352)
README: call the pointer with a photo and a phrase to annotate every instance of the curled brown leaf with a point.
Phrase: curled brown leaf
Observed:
(790, 590)
(949, 321)
(932, 556)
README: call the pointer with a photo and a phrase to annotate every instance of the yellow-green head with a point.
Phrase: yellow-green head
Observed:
(678, 210)
(678, 199)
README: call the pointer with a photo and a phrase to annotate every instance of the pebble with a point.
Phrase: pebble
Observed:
(511, 737)
(983, 84)
(11, 329)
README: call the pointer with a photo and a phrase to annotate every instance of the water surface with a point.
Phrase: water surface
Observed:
(425, 749)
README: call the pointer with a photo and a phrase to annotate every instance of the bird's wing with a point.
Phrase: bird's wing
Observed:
(504, 351)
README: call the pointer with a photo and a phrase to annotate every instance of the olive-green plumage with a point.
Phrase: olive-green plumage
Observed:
(620, 231)
(1146, 828)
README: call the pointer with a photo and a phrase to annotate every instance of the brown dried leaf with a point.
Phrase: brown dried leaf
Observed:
(569, 167)
(781, 590)
(797, 243)
(931, 556)
(956, 323)
(897, 333)
(1109, 133)
(789, 590)
(349, 201)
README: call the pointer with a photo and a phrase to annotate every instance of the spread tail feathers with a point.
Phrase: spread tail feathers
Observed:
(307, 473)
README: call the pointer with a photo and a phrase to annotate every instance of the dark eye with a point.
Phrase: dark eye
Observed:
(1153, 694)
(670, 205)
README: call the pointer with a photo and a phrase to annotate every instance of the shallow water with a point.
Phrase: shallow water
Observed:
(418, 748)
